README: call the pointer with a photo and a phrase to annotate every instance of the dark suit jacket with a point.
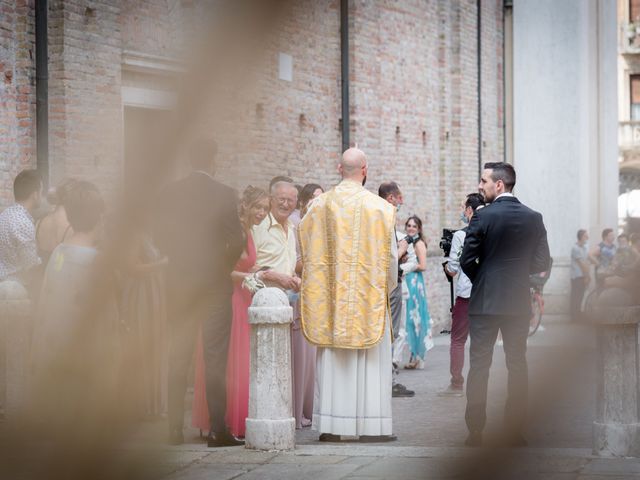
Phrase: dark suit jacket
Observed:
(505, 243)
(199, 230)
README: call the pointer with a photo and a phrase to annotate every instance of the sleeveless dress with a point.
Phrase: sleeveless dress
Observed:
(237, 359)
(418, 320)
(143, 308)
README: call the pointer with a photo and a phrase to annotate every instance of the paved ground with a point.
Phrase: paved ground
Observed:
(358, 462)
(431, 430)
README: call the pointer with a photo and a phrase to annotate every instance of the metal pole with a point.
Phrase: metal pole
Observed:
(479, 59)
(344, 63)
(42, 91)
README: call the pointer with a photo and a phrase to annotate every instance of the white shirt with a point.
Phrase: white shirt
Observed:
(505, 194)
(461, 283)
(18, 250)
(275, 247)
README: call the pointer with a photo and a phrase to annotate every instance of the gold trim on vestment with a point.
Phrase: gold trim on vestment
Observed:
(345, 242)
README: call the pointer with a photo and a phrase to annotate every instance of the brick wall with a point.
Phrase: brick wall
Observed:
(414, 106)
(414, 103)
(151, 26)
(290, 128)
(85, 119)
(17, 92)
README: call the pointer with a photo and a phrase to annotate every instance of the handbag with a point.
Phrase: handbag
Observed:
(252, 283)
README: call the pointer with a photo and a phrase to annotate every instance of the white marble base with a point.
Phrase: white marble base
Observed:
(270, 434)
(270, 425)
(616, 439)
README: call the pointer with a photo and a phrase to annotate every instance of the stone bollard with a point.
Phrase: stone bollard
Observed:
(616, 431)
(15, 316)
(270, 425)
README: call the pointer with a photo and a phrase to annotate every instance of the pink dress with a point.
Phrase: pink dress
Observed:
(237, 359)
(199, 408)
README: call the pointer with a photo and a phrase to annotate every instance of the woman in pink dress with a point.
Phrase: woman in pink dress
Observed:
(254, 207)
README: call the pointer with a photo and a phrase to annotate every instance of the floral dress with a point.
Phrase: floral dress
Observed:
(418, 321)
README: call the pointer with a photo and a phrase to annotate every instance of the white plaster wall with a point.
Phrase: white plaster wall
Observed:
(607, 62)
(565, 120)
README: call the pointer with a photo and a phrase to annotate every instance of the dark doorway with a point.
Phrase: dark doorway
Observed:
(143, 131)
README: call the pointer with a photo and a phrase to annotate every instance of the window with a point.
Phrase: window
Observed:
(635, 97)
(634, 10)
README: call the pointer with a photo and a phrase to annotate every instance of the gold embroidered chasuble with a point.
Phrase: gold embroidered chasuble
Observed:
(346, 251)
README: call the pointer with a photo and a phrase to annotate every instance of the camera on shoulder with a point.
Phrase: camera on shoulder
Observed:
(446, 239)
(445, 245)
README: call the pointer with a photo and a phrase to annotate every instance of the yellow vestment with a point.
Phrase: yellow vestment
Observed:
(346, 250)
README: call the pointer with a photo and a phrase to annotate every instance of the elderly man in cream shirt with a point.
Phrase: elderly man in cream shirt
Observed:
(275, 240)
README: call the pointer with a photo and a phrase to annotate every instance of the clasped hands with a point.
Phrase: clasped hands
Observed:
(282, 280)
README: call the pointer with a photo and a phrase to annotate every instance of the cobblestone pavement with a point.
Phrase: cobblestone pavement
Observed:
(431, 430)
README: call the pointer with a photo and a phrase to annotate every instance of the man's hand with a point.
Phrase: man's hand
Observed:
(298, 282)
(286, 282)
(403, 246)
(448, 272)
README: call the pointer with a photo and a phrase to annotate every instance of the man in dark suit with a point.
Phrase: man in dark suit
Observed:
(199, 230)
(505, 243)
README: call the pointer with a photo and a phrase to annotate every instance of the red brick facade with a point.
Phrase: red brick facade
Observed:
(414, 97)
(17, 92)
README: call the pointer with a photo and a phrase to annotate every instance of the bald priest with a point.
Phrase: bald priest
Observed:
(349, 257)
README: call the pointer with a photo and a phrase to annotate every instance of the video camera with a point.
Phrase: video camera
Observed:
(446, 239)
(445, 245)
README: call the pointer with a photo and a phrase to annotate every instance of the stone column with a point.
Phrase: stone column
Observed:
(270, 425)
(616, 431)
(15, 316)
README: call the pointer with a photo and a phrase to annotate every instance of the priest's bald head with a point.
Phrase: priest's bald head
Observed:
(353, 165)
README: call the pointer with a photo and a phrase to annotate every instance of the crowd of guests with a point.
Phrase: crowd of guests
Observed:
(182, 290)
(180, 293)
(613, 263)
(180, 285)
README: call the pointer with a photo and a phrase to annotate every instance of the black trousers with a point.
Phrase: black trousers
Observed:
(578, 287)
(187, 314)
(484, 332)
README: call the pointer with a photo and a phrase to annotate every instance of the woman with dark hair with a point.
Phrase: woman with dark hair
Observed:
(254, 207)
(308, 193)
(418, 321)
(76, 324)
(54, 227)
(304, 354)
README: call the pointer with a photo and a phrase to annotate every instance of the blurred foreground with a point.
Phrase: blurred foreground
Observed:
(430, 433)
